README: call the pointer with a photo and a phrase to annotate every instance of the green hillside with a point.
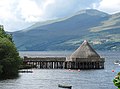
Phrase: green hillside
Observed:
(99, 28)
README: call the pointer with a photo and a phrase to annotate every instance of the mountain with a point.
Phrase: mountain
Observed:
(99, 28)
(109, 33)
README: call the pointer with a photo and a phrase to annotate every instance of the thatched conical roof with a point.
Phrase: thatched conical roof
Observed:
(85, 51)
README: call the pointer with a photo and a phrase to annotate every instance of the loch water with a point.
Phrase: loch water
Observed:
(50, 78)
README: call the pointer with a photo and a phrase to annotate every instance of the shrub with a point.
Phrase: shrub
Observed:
(116, 80)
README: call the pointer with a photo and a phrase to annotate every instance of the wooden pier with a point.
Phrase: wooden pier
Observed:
(85, 57)
(61, 63)
(46, 62)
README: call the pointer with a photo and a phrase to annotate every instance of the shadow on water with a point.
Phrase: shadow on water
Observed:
(10, 77)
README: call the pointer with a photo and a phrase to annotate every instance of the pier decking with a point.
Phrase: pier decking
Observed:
(46, 62)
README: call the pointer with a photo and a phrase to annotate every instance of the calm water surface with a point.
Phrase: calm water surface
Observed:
(49, 78)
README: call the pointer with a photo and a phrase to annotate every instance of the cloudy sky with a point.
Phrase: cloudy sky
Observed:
(19, 14)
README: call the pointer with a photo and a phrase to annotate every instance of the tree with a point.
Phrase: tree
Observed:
(116, 80)
(9, 57)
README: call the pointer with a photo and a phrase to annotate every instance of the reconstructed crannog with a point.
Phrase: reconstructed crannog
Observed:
(85, 57)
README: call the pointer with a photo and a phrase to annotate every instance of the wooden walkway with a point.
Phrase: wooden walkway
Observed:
(61, 63)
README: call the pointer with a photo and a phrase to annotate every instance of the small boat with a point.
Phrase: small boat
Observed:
(116, 63)
(64, 86)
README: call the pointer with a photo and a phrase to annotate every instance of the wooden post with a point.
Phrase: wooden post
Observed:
(63, 65)
(53, 65)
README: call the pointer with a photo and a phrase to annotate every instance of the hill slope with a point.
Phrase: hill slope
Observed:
(68, 33)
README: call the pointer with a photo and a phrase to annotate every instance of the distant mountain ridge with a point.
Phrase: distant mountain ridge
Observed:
(100, 29)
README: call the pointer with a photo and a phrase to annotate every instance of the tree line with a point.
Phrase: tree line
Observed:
(9, 56)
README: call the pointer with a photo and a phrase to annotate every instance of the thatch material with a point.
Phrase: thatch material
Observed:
(84, 51)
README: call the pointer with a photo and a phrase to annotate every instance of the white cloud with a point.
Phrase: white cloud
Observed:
(18, 14)
(47, 3)
(34, 10)
(60, 8)
(109, 6)
(5, 10)
(29, 10)
(7, 14)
